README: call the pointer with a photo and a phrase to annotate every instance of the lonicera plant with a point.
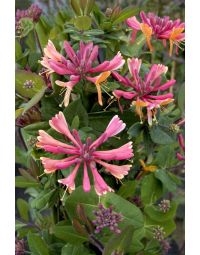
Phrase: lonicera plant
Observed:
(100, 130)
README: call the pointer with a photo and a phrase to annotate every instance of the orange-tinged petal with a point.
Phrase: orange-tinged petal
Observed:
(102, 77)
(167, 101)
(142, 163)
(99, 94)
(150, 168)
(173, 37)
(147, 31)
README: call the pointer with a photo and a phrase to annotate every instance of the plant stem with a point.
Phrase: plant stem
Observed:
(38, 41)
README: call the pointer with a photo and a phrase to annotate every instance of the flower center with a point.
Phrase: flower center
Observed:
(86, 153)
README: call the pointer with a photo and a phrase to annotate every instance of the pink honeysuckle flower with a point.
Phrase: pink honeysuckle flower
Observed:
(79, 65)
(85, 154)
(144, 91)
(180, 156)
(161, 28)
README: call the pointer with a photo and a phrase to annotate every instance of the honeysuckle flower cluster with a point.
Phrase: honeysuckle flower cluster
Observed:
(144, 92)
(79, 66)
(106, 218)
(160, 28)
(85, 154)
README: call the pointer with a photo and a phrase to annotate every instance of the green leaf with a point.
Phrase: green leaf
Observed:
(21, 182)
(70, 249)
(120, 242)
(127, 189)
(181, 98)
(27, 26)
(22, 76)
(161, 136)
(76, 108)
(18, 112)
(37, 245)
(136, 244)
(135, 129)
(82, 22)
(165, 156)
(68, 234)
(33, 60)
(151, 189)
(18, 50)
(49, 107)
(42, 200)
(26, 175)
(157, 215)
(19, 225)
(166, 180)
(23, 208)
(43, 30)
(75, 122)
(20, 156)
(34, 100)
(33, 129)
(133, 49)
(76, 7)
(88, 199)
(125, 14)
(87, 6)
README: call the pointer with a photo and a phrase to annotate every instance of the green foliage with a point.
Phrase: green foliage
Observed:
(74, 249)
(21, 182)
(22, 76)
(119, 243)
(76, 109)
(26, 25)
(23, 208)
(151, 189)
(161, 135)
(37, 245)
(127, 190)
(68, 234)
(125, 14)
(52, 219)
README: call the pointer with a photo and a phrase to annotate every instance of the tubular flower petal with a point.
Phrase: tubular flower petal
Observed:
(79, 65)
(144, 91)
(69, 181)
(160, 28)
(117, 171)
(100, 186)
(84, 154)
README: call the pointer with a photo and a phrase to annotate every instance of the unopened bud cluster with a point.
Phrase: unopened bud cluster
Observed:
(33, 12)
(108, 12)
(158, 233)
(105, 217)
(174, 128)
(164, 205)
(28, 84)
(19, 247)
